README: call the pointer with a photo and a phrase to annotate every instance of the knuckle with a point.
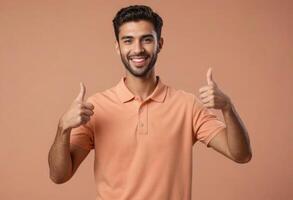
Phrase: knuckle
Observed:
(202, 89)
(86, 119)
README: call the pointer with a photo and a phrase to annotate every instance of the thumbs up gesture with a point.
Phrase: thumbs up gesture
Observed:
(79, 112)
(212, 97)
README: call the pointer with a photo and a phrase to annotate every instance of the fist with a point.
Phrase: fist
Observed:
(79, 112)
(211, 96)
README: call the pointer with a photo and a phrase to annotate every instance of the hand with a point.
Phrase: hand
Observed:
(212, 97)
(79, 112)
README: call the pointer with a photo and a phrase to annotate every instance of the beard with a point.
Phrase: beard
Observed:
(141, 71)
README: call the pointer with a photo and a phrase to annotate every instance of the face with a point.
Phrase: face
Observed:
(138, 47)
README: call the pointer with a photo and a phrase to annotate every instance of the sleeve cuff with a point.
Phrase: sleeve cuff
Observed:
(211, 136)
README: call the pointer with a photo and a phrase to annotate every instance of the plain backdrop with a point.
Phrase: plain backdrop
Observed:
(48, 47)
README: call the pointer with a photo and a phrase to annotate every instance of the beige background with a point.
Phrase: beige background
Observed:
(48, 47)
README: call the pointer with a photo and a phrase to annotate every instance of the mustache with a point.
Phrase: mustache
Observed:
(138, 55)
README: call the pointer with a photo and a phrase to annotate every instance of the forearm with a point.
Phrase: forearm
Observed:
(59, 158)
(237, 135)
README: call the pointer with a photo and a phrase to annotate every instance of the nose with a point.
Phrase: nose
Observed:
(138, 48)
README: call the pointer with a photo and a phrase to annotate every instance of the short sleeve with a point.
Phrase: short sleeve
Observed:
(206, 124)
(82, 136)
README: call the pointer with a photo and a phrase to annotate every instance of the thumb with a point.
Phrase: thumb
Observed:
(210, 79)
(81, 94)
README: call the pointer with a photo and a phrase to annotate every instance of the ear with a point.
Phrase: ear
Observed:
(161, 42)
(117, 47)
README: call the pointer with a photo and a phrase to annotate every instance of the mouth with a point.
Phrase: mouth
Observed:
(138, 60)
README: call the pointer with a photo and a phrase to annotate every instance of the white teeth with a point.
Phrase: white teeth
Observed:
(138, 59)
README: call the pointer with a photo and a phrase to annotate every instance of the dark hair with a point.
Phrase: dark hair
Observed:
(136, 13)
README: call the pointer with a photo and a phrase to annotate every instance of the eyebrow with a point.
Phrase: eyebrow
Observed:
(130, 37)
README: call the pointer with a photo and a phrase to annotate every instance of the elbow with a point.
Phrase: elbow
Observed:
(58, 180)
(244, 159)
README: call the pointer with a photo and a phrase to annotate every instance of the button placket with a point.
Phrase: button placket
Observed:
(142, 119)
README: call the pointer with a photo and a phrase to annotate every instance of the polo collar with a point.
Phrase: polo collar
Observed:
(126, 95)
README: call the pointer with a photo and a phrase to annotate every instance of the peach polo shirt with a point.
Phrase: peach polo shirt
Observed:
(143, 149)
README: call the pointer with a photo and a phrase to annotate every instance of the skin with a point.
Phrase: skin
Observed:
(233, 141)
(138, 39)
(63, 158)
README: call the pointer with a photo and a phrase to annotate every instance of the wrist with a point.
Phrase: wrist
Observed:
(63, 128)
(228, 108)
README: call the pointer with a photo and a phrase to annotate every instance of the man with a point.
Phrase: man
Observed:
(143, 130)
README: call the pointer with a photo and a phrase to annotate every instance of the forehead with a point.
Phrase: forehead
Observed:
(136, 28)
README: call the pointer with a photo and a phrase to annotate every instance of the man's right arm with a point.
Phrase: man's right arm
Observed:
(64, 158)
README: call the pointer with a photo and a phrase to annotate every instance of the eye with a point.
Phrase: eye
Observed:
(148, 40)
(127, 41)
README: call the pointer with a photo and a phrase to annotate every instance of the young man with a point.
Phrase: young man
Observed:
(142, 130)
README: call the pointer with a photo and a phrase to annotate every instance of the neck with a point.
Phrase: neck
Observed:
(141, 86)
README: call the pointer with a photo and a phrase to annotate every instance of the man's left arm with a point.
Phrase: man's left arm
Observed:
(232, 141)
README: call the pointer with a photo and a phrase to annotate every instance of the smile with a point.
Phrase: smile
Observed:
(138, 60)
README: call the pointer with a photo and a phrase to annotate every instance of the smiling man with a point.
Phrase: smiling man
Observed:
(142, 130)
(138, 47)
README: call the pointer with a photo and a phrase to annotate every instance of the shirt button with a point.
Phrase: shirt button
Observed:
(137, 98)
